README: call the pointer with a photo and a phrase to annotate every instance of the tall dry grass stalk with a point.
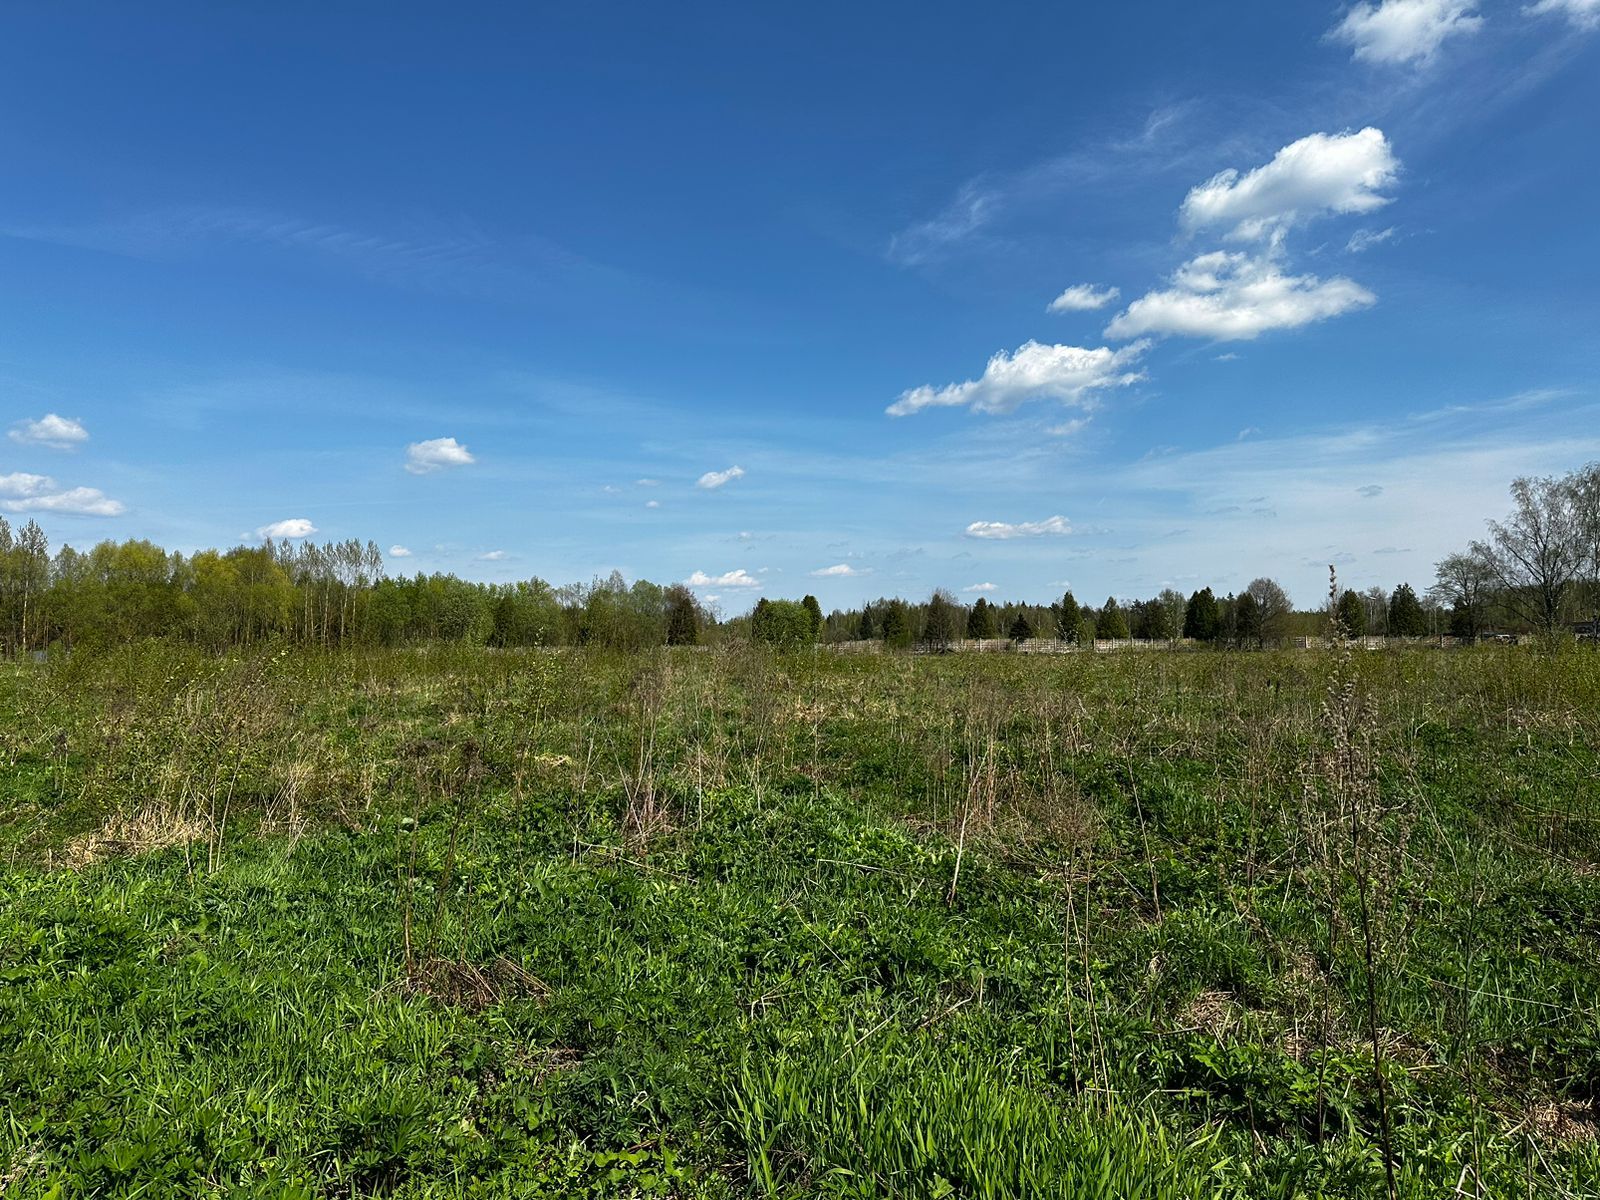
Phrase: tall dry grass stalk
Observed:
(1356, 849)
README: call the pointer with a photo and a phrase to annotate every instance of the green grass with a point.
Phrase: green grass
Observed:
(707, 924)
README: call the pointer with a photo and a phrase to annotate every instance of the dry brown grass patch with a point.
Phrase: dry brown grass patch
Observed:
(123, 834)
(461, 984)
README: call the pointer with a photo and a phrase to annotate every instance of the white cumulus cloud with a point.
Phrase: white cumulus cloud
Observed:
(840, 571)
(1070, 374)
(435, 454)
(57, 432)
(1585, 14)
(492, 556)
(738, 579)
(982, 587)
(293, 527)
(1235, 297)
(22, 493)
(715, 479)
(1402, 31)
(1002, 530)
(1083, 297)
(399, 552)
(1319, 175)
(652, 504)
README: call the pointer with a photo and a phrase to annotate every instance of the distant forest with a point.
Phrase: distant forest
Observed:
(1536, 570)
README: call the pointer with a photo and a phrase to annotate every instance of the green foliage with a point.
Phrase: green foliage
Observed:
(1352, 613)
(683, 617)
(1069, 615)
(1406, 615)
(868, 628)
(896, 627)
(943, 1120)
(784, 623)
(1152, 621)
(1249, 622)
(940, 620)
(1202, 619)
(981, 622)
(1111, 624)
(813, 608)
(1021, 629)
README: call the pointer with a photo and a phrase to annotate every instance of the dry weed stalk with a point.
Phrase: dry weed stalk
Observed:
(1354, 849)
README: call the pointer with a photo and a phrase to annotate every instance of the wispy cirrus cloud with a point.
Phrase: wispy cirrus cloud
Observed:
(56, 432)
(1583, 14)
(986, 201)
(458, 257)
(1365, 239)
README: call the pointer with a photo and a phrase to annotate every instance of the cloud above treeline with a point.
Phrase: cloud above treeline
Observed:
(21, 492)
(52, 430)
(290, 528)
(739, 578)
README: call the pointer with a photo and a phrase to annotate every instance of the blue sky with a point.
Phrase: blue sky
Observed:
(812, 300)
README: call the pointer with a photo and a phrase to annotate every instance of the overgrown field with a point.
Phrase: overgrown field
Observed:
(731, 924)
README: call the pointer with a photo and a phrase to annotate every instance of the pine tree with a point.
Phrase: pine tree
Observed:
(980, 621)
(1202, 620)
(683, 621)
(1406, 615)
(1021, 630)
(1247, 618)
(1112, 624)
(896, 624)
(1352, 612)
(939, 622)
(1069, 615)
(815, 609)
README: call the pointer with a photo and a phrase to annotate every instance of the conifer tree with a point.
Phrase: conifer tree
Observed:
(1112, 624)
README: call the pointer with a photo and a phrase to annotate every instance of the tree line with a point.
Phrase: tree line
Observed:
(1536, 570)
(333, 594)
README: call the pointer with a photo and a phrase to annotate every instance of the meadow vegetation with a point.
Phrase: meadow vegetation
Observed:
(455, 920)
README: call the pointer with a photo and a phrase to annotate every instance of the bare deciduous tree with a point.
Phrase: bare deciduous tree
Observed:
(1465, 582)
(1535, 551)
